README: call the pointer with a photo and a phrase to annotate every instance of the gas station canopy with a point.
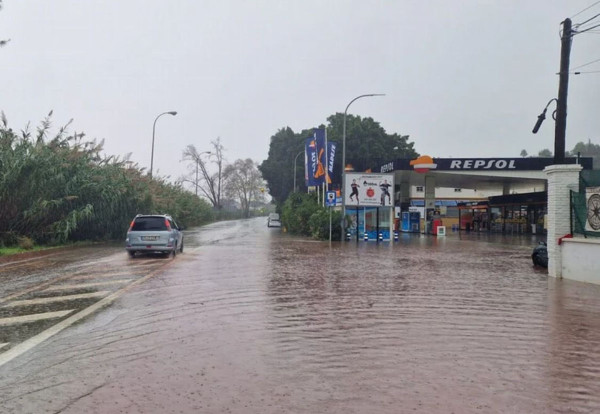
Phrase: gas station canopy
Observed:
(501, 174)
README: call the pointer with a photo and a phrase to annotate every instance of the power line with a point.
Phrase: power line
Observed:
(588, 29)
(586, 64)
(587, 21)
(587, 8)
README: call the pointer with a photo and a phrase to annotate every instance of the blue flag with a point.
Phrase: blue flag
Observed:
(320, 173)
(330, 160)
(310, 162)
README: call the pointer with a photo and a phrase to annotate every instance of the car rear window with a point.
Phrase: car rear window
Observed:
(149, 224)
(274, 216)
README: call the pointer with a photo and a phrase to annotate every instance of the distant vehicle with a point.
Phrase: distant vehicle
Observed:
(273, 220)
(540, 255)
(154, 233)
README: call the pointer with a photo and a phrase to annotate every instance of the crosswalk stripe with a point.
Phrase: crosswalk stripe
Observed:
(101, 275)
(21, 348)
(64, 298)
(86, 285)
(14, 320)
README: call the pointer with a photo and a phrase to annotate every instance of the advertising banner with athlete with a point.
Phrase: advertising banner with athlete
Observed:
(362, 189)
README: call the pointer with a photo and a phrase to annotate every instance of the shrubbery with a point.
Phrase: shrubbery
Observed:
(54, 190)
(301, 214)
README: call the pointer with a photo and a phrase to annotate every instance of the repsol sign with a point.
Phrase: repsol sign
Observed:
(483, 164)
(493, 164)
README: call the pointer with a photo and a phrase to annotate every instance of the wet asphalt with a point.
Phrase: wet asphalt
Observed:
(251, 320)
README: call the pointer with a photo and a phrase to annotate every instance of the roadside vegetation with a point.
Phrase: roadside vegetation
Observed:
(61, 189)
(303, 215)
(368, 145)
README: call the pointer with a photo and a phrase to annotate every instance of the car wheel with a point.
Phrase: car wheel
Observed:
(131, 253)
(175, 251)
(181, 248)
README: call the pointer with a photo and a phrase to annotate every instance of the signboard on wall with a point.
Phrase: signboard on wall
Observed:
(362, 189)
(592, 197)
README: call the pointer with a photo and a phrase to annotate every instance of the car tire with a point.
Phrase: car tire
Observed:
(131, 253)
(181, 248)
(175, 251)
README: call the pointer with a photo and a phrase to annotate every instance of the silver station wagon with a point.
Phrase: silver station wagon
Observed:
(154, 233)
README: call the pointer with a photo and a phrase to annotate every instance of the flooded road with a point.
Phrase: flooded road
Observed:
(250, 320)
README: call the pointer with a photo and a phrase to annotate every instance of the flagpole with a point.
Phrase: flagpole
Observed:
(326, 163)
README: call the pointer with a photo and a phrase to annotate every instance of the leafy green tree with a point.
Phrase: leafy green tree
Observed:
(368, 145)
(523, 153)
(545, 153)
(588, 149)
(277, 169)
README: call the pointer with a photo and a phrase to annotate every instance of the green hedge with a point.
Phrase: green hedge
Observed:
(301, 214)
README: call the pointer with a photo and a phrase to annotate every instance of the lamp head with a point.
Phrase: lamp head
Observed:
(540, 119)
(172, 113)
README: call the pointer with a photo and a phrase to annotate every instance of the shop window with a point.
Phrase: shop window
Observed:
(419, 189)
(458, 190)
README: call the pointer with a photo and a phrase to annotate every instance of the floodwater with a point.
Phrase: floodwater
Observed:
(251, 320)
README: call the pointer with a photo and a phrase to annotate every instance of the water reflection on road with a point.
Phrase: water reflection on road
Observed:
(438, 325)
(251, 320)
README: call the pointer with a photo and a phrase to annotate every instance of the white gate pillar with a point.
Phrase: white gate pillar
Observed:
(561, 179)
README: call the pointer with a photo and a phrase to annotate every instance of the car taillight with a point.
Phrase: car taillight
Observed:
(167, 224)
(131, 225)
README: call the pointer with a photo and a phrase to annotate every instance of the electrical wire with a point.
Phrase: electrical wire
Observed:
(586, 64)
(587, 8)
(587, 21)
(585, 30)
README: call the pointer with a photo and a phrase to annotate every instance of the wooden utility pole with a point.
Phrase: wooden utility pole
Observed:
(563, 86)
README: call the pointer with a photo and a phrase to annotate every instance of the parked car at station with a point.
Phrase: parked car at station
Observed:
(273, 220)
(155, 234)
(540, 255)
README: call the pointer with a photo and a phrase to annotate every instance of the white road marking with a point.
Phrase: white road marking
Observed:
(86, 285)
(15, 320)
(3, 345)
(103, 275)
(53, 330)
(52, 299)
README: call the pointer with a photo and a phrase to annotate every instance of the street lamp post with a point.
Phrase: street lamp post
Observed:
(197, 162)
(344, 151)
(153, 132)
(295, 159)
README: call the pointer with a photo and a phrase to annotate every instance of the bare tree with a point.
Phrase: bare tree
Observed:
(208, 183)
(244, 183)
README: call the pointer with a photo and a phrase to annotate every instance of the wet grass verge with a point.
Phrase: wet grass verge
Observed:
(11, 253)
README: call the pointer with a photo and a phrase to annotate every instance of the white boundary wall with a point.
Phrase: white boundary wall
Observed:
(581, 260)
(577, 258)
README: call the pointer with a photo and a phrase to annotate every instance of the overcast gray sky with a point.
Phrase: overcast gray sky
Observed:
(462, 78)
